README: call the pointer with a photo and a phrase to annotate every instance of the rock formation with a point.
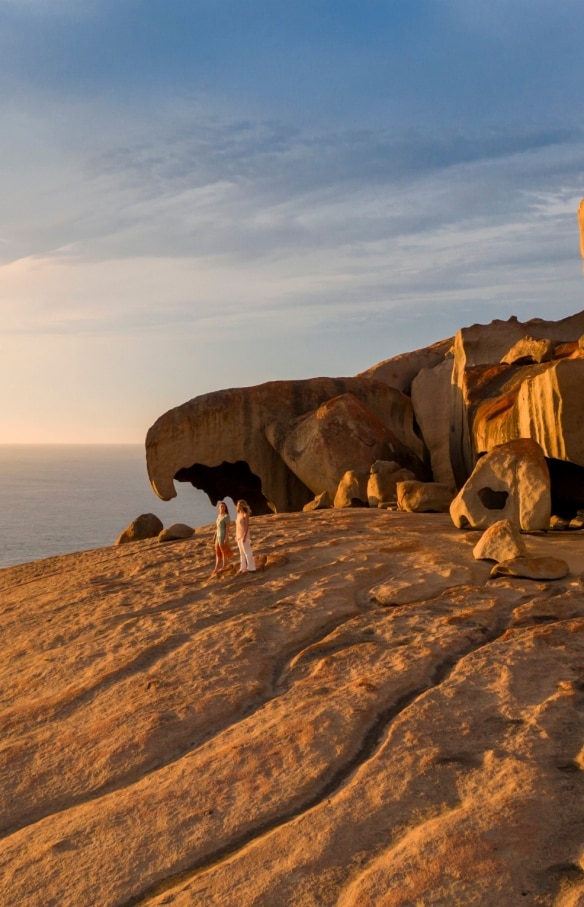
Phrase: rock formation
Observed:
(280, 444)
(512, 483)
(369, 720)
(145, 526)
(219, 441)
(424, 497)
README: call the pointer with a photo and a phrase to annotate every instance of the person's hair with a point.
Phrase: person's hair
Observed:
(223, 504)
(243, 505)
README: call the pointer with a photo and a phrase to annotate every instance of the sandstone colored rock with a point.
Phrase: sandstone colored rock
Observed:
(424, 497)
(320, 502)
(382, 481)
(172, 738)
(529, 350)
(341, 435)
(351, 490)
(400, 371)
(176, 532)
(218, 441)
(540, 568)
(432, 394)
(509, 483)
(145, 526)
(500, 542)
(485, 410)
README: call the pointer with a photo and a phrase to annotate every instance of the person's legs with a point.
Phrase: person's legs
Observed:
(249, 558)
(242, 557)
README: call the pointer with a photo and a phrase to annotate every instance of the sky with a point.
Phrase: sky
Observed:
(202, 194)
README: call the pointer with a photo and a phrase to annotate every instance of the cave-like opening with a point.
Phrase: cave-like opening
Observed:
(228, 480)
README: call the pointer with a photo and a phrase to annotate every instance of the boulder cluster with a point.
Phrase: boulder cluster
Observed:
(487, 425)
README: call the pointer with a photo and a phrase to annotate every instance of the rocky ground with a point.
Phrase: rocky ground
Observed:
(368, 720)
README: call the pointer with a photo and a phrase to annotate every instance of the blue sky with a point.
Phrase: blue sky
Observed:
(207, 194)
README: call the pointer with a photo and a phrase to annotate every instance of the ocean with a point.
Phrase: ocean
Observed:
(55, 499)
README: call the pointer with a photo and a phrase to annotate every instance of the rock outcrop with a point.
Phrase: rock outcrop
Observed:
(279, 444)
(500, 542)
(370, 720)
(510, 483)
(424, 497)
(219, 441)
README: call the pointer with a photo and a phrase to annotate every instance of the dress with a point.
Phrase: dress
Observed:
(221, 523)
(246, 558)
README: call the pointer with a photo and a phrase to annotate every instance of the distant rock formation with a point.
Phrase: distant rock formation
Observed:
(434, 411)
(145, 526)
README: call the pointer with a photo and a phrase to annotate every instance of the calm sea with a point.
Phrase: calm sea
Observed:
(57, 499)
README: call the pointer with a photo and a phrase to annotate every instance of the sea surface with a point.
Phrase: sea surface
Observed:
(55, 499)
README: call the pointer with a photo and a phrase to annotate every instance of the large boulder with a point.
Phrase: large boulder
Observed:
(218, 441)
(342, 434)
(510, 483)
(431, 399)
(145, 526)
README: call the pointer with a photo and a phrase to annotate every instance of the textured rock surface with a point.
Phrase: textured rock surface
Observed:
(432, 395)
(175, 532)
(546, 568)
(382, 481)
(341, 435)
(424, 497)
(485, 409)
(511, 482)
(351, 491)
(218, 441)
(145, 526)
(299, 736)
(400, 371)
(500, 542)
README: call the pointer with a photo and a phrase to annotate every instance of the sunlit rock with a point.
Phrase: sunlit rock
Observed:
(512, 483)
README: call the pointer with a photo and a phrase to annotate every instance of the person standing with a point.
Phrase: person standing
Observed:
(222, 548)
(242, 537)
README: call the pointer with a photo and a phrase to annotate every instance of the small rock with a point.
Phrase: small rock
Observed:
(145, 526)
(321, 502)
(176, 532)
(532, 568)
(500, 542)
(559, 524)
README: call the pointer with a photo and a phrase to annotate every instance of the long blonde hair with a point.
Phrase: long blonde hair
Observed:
(243, 505)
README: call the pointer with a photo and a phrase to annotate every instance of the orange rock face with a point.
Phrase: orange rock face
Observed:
(369, 719)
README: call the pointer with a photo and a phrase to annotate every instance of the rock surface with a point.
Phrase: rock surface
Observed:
(341, 435)
(424, 497)
(145, 526)
(500, 542)
(336, 730)
(218, 441)
(511, 482)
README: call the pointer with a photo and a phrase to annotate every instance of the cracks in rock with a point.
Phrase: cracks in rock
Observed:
(371, 741)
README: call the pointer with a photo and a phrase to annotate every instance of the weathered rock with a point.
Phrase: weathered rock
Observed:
(509, 483)
(431, 399)
(382, 481)
(540, 568)
(145, 526)
(351, 491)
(282, 739)
(493, 403)
(400, 371)
(527, 350)
(342, 434)
(558, 523)
(320, 502)
(500, 542)
(577, 522)
(424, 497)
(176, 532)
(218, 441)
